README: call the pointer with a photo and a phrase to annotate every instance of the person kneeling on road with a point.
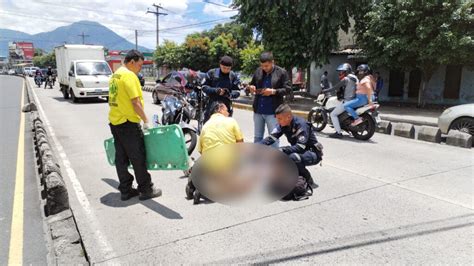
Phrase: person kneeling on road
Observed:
(126, 111)
(305, 150)
(219, 130)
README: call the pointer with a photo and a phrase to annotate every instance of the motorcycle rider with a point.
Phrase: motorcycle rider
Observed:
(48, 74)
(221, 85)
(364, 93)
(346, 90)
(39, 75)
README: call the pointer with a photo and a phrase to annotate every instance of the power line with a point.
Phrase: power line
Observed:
(196, 24)
(216, 4)
(83, 37)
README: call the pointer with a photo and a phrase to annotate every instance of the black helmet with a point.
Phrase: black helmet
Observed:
(346, 67)
(364, 69)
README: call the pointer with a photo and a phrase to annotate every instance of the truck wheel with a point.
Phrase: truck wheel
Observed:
(73, 97)
(65, 93)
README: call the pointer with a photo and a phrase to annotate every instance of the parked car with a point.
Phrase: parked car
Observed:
(11, 72)
(460, 117)
(170, 84)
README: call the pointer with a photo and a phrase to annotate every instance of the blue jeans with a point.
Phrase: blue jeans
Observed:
(259, 122)
(358, 101)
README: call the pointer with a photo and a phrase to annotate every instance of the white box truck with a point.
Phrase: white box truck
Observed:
(82, 71)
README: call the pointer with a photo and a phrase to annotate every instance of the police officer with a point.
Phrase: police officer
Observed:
(305, 150)
(221, 85)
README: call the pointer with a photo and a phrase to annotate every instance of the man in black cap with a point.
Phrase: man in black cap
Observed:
(221, 85)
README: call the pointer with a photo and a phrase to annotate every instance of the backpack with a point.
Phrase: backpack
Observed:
(301, 191)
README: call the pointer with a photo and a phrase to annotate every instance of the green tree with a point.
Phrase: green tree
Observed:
(250, 57)
(242, 34)
(45, 61)
(197, 52)
(169, 54)
(298, 31)
(39, 51)
(224, 44)
(410, 34)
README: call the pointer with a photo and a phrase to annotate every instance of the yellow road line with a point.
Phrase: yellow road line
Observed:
(15, 255)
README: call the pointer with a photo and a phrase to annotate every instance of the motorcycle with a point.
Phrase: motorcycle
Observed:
(49, 82)
(319, 117)
(180, 108)
(38, 80)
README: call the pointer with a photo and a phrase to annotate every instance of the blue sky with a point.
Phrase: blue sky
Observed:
(123, 16)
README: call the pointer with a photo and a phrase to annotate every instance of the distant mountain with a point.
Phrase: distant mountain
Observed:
(98, 35)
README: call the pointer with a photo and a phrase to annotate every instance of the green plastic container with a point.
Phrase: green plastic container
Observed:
(165, 149)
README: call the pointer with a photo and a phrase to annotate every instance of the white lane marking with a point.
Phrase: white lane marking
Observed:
(99, 237)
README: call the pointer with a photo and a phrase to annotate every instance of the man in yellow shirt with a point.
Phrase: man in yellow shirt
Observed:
(126, 112)
(219, 130)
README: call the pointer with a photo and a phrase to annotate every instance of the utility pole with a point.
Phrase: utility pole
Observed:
(157, 14)
(83, 37)
(136, 40)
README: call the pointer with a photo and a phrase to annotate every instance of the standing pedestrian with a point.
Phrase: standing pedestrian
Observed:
(221, 85)
(270, 84)
(378, 85)
(126, 112)
(324, 81)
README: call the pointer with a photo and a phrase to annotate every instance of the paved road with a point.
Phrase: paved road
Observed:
(22, 237)
(389, 200)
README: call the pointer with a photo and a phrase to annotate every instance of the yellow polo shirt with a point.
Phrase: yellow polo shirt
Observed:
(219, 130)
(123, 87)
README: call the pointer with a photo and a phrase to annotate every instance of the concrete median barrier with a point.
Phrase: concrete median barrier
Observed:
(459, 139)
(430, 134)
(56, 194)
(404, 130)
(29, 107)
(67, 246)
(385, 127)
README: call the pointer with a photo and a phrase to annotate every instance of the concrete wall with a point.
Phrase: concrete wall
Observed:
(435, 88)
(467, 85)
(317, 72)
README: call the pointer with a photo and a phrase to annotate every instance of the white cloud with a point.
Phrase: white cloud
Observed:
(123, 17)
(218, 10)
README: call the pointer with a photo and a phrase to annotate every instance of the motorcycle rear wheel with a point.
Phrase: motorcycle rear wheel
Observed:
(366, 129)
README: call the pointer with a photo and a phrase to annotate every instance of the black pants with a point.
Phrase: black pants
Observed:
(130, 149)
(304, 159)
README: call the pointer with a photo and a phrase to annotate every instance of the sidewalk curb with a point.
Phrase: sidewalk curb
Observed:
(67, 246)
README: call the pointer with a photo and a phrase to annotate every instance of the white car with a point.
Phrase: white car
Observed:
(460, 117)
(11, 72)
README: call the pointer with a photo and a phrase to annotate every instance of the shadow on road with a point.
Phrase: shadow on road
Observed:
(112, 199)
(82, 101)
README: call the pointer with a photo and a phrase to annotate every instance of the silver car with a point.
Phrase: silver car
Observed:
(460, 117)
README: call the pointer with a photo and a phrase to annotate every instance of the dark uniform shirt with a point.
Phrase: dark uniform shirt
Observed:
(299, 134)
